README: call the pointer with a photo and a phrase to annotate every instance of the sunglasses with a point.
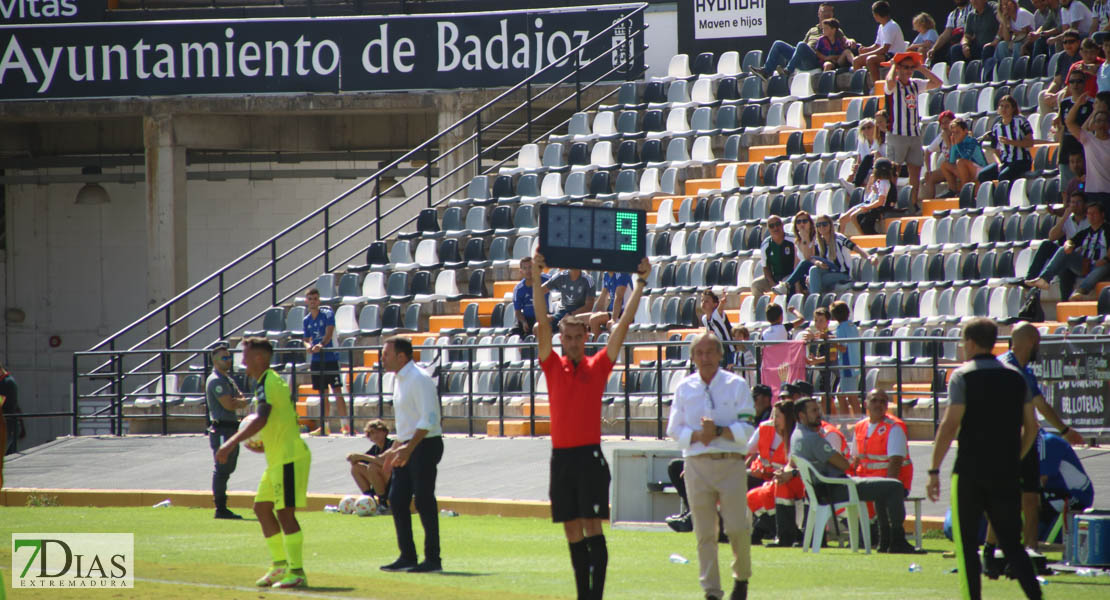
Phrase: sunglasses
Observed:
(824, 223)
(774, 225)
(1071, 41)
(224, 357)
(1076, 82)
(802, 221)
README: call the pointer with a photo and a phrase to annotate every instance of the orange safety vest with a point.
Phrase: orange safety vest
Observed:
(771, 459)
(827, 428)
(871, 451)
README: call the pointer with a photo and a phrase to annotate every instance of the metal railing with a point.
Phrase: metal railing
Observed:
(342, 229)
(513, 375)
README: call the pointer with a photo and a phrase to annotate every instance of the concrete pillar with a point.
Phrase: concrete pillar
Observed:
(166, 222)
(449, 109)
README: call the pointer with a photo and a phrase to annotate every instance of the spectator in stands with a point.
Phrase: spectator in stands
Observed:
(1082, 258)
(1072, 222)
(616, 288)
(779, 257)
(772, 503)
(1077, 162)
(1049, 97)
(1011, 137)
(833, 50)
(833, 261)
(880, 443)
(1089, 63)
(522, 298)
(319, 340)
(711, 418)
(371, 471)
(926, 29)
(744, 357)
(1076, 16)
(779, 331)
(848, 355)
(980, 33)
(887, 494)
(1069, 144)
(1014, 26)
(965, 159)
(880, 197)
(888, 41)
(223, 398)
(1046, 25)
(869, 148)
(1101, 10)
(904, 144)
(953, 32)
(1095, 140)
(1103, 77)
(938, 146)
(576, 290)
(801, 56)
(805, 243)
(820, 351)
(715, 321)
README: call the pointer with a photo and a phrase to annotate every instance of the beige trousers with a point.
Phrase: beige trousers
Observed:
(713, 480)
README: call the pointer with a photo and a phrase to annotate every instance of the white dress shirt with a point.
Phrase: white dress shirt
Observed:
(415, 403)
(727, 400)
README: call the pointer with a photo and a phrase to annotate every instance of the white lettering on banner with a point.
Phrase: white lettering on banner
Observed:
(495, 51)
(715, 19)
(23, 9)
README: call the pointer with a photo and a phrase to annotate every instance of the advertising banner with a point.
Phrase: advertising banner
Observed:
(715, 19)
(1075, 380)
(322, 55)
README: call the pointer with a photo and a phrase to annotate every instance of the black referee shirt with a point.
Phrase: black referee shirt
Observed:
(994, 396)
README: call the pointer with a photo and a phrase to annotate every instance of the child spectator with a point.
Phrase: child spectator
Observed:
(745, 360)
(965, 159)
(1011, 137)
(926, 29)
(938, 147)
(880, 197)
(849, 357)
(832, 47)
(888, 41)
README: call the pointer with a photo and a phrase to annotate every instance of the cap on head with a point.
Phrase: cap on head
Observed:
(803, 387)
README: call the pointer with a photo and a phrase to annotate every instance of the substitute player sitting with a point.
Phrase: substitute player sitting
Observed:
(579, 473)
(371, 471)
(284, 484)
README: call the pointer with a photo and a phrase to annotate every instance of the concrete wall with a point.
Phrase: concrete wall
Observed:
(79, 272)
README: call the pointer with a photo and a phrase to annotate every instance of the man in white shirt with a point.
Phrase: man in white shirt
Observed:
(416, 456)
(712, 418)
(1074, 14)
(888, 41)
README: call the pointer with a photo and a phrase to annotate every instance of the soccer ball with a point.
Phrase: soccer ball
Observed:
(255, 441)
(365, 506)
(347, 505)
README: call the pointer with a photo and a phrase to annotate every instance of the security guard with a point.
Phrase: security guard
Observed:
(990, 408)
(880, 443)
(223, 397)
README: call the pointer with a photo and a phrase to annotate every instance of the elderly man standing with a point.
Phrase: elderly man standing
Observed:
(881, 449)
(712, 418)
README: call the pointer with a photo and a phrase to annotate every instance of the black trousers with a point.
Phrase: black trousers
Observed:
(674, 471)
(1001, 500)
(889, 496)
(417, 479)
(217, 435)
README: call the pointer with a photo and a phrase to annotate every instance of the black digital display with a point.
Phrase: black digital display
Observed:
(587, 237)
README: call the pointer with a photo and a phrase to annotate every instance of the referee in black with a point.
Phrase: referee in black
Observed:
(990, 411)
(223, 398)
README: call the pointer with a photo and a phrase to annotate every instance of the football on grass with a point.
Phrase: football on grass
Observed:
(365, 506)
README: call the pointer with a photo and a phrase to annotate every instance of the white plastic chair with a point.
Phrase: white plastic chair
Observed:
(819, 514)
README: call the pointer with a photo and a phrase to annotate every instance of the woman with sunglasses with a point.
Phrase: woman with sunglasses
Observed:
(805, 245)
(224, 398)
(833, 259)
(1011, 137)
(869, 148)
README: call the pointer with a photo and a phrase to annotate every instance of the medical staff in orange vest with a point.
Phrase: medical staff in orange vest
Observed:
(880, 444)
(775, 498)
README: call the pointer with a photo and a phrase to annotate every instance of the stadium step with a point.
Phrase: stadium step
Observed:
(501, 288)
(870, 241)
(741, 168)
(880, 88)
(903, 221)
(485, 305)
(808, 136)
(693, 186)
(517, 428)
(1067, 310)
(819, 120)
(758, 153)
(369, 358)
(543, 409)
(930, 207)
(437, 323)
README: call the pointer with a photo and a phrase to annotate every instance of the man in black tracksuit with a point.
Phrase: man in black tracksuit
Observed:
(990, 407)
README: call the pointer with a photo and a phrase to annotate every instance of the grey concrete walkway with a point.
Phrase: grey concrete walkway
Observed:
(504, 469)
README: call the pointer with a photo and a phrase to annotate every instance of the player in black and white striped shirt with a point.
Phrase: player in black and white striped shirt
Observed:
(904, 144)
(1011, 137)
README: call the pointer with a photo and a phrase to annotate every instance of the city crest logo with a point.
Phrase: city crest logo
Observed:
(73, 560)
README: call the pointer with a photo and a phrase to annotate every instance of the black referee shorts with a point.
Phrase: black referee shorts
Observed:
(325, 373)
(579, 484)
(1031, 472)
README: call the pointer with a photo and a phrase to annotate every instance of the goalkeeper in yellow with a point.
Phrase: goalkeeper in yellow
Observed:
(284, 484)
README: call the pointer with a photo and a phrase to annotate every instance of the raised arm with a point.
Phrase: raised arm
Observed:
(616, 337)
(542, 330)
(933, 81)
(1073, 116)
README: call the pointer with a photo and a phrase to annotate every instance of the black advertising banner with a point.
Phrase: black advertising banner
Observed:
(51, 11)
(322, 55)
(1075, 379)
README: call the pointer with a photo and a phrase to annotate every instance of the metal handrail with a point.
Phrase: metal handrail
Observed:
(164, 312)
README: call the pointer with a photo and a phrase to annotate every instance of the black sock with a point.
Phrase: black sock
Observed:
(599, 562)
(580, 560)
